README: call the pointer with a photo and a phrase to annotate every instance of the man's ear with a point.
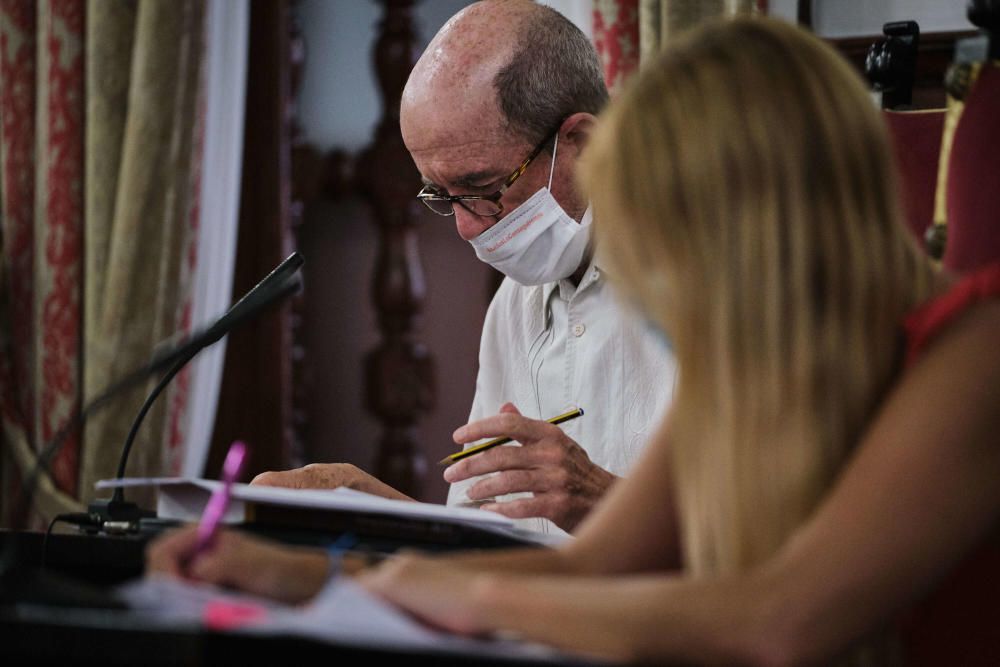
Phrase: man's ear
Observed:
(576, 130)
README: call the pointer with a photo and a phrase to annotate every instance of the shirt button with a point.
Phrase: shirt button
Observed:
(578, 330)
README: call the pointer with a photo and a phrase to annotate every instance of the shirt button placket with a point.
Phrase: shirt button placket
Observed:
(571, 352)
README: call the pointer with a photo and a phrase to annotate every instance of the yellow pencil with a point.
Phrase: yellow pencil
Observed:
(489, 444)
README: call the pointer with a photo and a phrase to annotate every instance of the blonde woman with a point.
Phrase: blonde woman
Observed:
(831, 458)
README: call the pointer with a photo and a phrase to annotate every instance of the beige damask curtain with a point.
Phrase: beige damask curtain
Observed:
(661, 20)
(628, 33)
(144, 77)
(101, 107)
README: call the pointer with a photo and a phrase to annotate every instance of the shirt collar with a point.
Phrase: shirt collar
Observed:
(565, 287)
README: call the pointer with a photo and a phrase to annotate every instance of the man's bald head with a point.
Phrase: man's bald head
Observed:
(502, 66)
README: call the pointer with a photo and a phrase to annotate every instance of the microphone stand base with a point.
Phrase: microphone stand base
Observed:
(118, 516)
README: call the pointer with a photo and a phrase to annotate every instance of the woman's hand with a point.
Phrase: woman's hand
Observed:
(440, 595)
(238, 561)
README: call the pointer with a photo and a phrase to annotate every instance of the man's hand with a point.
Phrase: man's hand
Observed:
(329, 476)
(288, 574)
(565, 483)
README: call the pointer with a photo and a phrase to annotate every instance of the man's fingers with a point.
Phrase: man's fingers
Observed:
(523, 508)
(285, 478)
(505, 425)
(313, 476)
(511, 481)
(505, 457)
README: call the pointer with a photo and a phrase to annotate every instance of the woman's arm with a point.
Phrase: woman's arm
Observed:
(920, 492)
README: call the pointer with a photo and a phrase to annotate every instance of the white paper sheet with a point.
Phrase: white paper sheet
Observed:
(183, 499)
(342, 613)
(338, 499)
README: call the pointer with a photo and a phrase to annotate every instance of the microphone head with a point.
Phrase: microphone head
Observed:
(273, 280)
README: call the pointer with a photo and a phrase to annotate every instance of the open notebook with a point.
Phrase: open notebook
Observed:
(184, 499)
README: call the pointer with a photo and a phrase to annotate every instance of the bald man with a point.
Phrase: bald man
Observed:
(495, 115)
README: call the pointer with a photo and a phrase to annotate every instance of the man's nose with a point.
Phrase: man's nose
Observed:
(470, 225)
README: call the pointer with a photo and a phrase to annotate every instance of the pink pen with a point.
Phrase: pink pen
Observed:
(215, 510)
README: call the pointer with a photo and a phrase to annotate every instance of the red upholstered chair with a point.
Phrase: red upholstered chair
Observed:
(972, 189)
(916, 145)
(949, 160)
(955, 623)
(890, 65)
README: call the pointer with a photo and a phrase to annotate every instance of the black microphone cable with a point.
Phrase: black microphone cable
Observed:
(274, 287)
(22, 505)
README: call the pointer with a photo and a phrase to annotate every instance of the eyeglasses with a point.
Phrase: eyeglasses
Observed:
(488, 206)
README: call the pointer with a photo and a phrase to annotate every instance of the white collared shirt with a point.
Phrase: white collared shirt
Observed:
(551, 348)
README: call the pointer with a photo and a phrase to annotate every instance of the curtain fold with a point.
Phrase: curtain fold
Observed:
(628, 33)
(227, 25)
(101, 105)
(616, 39)
(662, 20)
(139, 299)
(41, 149)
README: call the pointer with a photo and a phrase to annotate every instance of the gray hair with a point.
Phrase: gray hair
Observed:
(553, 74)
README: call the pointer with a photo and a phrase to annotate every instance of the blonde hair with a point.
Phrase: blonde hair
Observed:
(744, 201)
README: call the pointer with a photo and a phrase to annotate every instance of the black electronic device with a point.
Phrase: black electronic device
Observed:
(891, 63)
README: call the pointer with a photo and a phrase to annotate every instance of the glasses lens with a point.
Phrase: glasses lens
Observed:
(483, 207)
(439, 206)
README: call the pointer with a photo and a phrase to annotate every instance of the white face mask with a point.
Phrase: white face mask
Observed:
(537, 242)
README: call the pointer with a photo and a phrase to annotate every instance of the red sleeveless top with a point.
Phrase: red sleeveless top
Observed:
(959, 622)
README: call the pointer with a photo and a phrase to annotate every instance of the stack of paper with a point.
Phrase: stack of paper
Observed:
(183, 499)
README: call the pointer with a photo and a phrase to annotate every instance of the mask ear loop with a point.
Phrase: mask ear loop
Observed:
(552, 169)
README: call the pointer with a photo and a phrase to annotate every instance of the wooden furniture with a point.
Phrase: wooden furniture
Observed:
(399, 383)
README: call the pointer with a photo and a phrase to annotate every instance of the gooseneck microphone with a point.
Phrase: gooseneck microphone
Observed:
(21, 583)
(277, 285)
